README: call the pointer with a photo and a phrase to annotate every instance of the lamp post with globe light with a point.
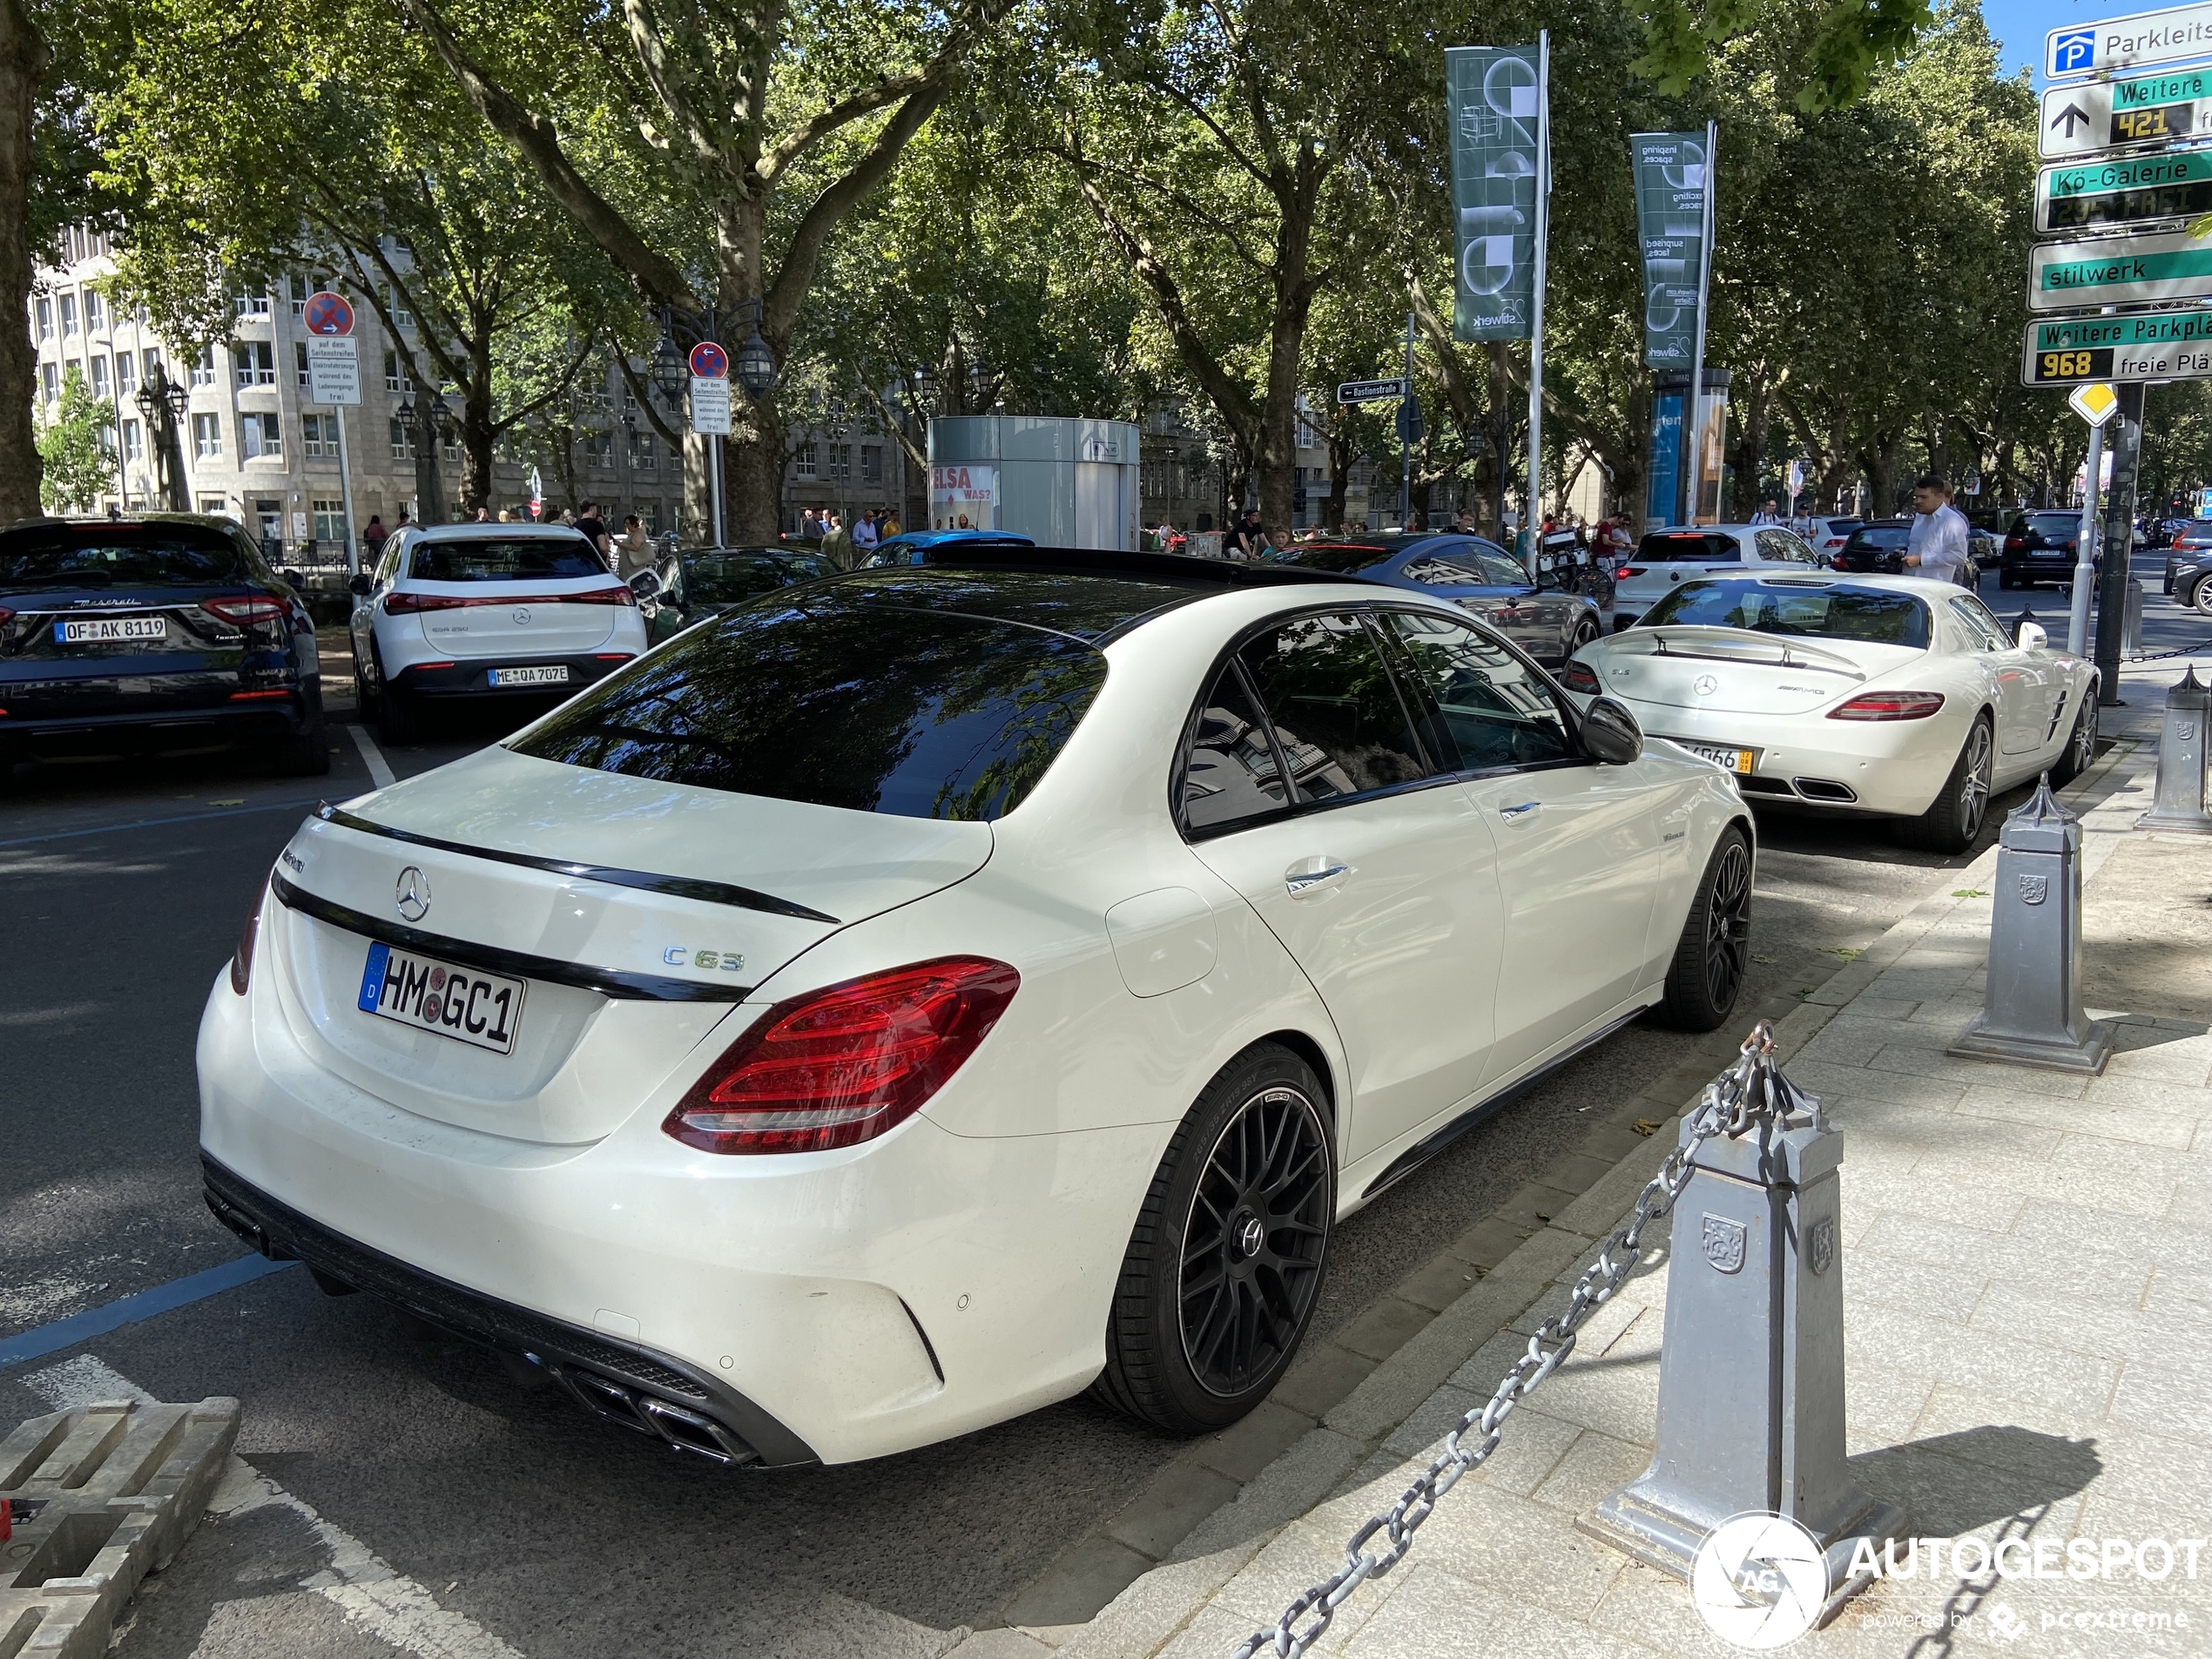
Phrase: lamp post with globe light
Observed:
(162, 401)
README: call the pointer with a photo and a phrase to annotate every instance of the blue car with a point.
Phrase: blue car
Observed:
(1549, 622)
(908, 546)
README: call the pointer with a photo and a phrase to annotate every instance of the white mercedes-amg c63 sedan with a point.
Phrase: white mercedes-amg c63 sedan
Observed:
(922, 994)
(1866, 694)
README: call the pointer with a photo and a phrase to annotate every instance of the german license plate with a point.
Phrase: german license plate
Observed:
(478, 1008)
(555, 675)
(101, 631)
(1735, 760)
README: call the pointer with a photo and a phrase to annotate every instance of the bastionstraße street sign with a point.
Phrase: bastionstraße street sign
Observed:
(2080, 119)
(2118, 271)
(1372, 391)
(2165, 346)
(2174, 36)
(2118, 193)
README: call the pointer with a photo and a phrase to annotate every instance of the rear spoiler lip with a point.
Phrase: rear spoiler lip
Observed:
(1812, 659)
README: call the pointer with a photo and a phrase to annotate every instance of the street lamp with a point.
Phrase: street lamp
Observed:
(756, 359)
(671, 370)
(162, 401)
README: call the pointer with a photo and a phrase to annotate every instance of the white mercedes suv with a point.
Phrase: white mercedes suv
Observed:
(922, 995)
(474, 611)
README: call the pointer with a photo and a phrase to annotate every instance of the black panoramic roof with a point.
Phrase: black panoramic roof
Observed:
(1085, 593)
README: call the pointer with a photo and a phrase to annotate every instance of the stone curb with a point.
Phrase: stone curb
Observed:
(1156, 1608)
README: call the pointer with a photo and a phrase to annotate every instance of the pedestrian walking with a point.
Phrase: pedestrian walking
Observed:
(809, 526)
(1937, 546)
(373, 537)
(865, 534)
(1766, 515)
(595, 529)
(633, 547)
(836, 544)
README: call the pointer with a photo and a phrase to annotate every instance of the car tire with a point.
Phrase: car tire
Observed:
(364, 699)
(2080, 743)
(2201, 595)
(2004, 581)
(1954, 818)
(1258, 1149)
(395, 719)
(1586, 633)
(1713, 954)
(305, 756)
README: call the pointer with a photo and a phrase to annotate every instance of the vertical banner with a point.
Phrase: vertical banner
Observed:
(1672, 181)
(1495, 103)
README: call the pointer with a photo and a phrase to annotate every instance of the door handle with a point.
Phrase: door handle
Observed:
(1525, 807)
(1311, 875)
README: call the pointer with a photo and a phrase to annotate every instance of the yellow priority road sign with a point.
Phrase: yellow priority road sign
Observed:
(2095, 402)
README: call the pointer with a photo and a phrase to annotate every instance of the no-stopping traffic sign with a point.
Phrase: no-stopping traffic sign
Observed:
(328, 313)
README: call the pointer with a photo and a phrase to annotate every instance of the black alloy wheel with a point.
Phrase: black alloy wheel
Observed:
(1713, 954)
(1226, 1258)
(2080, 743)
(1252, 1243)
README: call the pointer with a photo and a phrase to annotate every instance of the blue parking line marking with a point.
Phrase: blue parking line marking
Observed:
(43, 1340)
(156, 823)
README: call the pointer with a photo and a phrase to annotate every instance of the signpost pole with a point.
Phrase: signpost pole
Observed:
(1693, 422)
(1532, 514)
(1406, 441)
(714, 482)
(2118, 542)
(345, 494)
(2084, 549)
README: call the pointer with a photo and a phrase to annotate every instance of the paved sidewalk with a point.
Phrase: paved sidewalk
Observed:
(2028, 1274)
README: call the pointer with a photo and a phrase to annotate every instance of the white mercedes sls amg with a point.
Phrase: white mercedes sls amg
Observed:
(925, 994)
(1874, 694)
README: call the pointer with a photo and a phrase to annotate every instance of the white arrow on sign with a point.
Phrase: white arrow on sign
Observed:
(2139, 110)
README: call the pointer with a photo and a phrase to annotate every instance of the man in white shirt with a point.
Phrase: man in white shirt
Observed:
(1766, 515)
(1937, 545)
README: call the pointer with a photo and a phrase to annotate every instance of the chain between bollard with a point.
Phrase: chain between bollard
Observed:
(1748, 1091)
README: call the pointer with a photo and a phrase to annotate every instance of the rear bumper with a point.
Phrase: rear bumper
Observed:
(654, 1393)
(128, 730)
(1830, 766)
(472, 677)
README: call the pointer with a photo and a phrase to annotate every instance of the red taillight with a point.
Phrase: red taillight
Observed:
(242, 958)
(401, 604)
(1579, 678)
(845, 1064)
(259, 697)
(2015, 543)
(1889, 706)
(1626, 571)
(244, 613)
(6, 616)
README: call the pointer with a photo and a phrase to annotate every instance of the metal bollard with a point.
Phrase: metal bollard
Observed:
(2032, 1013)
(1751, 1359)
(2179, 802)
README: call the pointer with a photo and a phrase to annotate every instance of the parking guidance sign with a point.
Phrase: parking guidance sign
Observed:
(2174, 36)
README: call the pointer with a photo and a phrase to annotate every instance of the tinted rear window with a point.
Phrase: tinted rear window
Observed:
(726, 578)
(1688, 544)
(103, 555)
(2055, 523)
(1833, 611)
(1882, 537)
(839, 703)
(1326, 555)
(524, 559)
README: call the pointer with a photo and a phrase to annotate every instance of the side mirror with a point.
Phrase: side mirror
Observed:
(360, 586)
(1610, 732)
(645, 584)
(2033, 638)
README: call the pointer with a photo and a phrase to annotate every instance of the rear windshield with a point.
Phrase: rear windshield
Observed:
(726, 578)
(532, 559)
(1690, 544)
(1838, 610)
(99, 556)
(1326, 556)
(839, 703)
(2055, 523)
(1880, 536)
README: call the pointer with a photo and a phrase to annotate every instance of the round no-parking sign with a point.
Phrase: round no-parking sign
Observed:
(710, 361)
(328, 313)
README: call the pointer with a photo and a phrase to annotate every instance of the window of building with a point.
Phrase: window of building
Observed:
(71, 366)
(214, 507)
(203, 369)
(69, 315)
(395, 303)
(150, 359)
(260, 436)
(402, 440)
(599, 449)
(803, 461)
(642, 458)
(134, 446)
(99, 375)
(396, 379)
(300, 361)
(249, 304)
(95, 311)
(46, 321)
(256, 362)
(49, 381)
(126, 374)
(208, 436)
(870, 463)
(840, 458)
(318, 435)
(299, 288)
(330, 520)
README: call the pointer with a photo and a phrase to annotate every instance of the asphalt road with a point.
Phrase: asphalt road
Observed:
(507, 1521)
